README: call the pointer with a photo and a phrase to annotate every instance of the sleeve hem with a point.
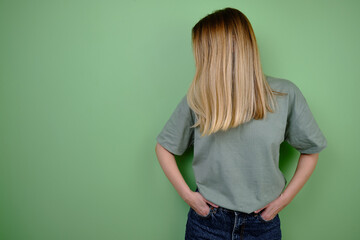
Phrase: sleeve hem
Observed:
(312, 150)
(168, 147)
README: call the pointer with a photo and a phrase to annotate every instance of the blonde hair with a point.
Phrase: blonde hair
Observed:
(229, 87)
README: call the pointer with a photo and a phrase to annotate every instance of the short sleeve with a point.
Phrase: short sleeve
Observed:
(302, 131)
(177, 134)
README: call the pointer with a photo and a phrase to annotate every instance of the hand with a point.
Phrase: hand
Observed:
(273, 208)
(199, 204)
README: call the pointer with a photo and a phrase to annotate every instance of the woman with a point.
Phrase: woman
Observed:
(236, 117)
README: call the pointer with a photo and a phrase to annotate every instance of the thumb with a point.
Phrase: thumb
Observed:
(212, 204)
(259, 210)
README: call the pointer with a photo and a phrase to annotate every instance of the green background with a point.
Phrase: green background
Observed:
(85, 87)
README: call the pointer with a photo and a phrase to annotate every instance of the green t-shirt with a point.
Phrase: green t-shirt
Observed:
(238, 169)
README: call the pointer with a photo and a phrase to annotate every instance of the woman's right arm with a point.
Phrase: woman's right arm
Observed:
(194, 199)
(172, 172)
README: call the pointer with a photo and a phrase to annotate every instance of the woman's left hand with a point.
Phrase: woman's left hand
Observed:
(273, 208)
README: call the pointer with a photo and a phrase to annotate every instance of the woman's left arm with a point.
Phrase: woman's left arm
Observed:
(304, 169)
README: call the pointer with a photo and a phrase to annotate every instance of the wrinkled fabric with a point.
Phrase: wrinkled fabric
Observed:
(239, 168)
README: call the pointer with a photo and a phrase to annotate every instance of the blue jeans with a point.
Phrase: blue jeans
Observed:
(222, 224)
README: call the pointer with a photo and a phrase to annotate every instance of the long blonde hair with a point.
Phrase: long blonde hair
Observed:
(229, 87)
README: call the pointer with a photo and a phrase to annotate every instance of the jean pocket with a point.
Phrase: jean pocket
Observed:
(201, 216)
(212, 212)
(263, 220)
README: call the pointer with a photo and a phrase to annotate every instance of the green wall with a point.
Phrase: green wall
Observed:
(85, 87)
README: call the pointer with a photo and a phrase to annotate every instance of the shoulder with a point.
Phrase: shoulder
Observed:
(280, 83)
(283, 85)
(185, 107)
(183, 104)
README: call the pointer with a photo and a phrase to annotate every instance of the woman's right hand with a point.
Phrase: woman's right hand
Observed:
(200, 204)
